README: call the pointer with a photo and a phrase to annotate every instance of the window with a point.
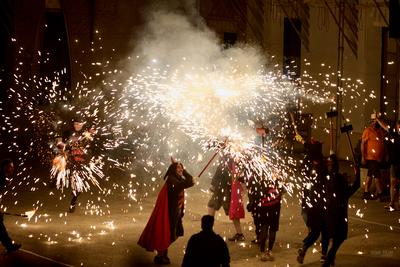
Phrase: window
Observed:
(229, 39)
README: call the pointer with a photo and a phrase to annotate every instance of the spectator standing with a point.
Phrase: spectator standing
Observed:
(372, 155)
(393, 144)
(206, 248)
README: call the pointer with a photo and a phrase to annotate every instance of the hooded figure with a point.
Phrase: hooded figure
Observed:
(165, 223)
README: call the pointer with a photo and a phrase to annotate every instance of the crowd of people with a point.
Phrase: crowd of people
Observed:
(325, 196)
(324, 209)
(325, 203)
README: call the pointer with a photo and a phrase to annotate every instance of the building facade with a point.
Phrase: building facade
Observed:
(357, 38)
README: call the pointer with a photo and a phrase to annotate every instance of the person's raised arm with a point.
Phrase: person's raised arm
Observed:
(180, 184)
(382, 124)
(189, 179)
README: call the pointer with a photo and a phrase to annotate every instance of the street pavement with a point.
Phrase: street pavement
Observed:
(105, 228)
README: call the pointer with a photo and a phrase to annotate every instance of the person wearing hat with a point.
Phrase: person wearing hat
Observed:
(372, 156)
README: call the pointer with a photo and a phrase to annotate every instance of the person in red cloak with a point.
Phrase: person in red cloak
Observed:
(165, 223)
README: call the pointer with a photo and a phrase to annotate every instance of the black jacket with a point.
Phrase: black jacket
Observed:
(222, 178)
(338, 199)
(176, 186)
(314, 198)
(206, 249)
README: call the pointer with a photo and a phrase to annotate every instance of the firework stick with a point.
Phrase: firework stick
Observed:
(346, 129)
(15, 214)
(330, 115)
(26, 214)
(208, 163)
(298, 137)
(212, 158)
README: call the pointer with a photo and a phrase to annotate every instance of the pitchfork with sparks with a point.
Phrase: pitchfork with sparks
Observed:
(27, 214)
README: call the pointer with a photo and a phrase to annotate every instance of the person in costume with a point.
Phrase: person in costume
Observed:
(227, 193)
(165, 223)
(236, 207)
(220, 188)
(265, 205)
(72, 156)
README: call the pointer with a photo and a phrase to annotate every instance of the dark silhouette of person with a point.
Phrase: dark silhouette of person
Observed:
(314, 203)
(206, 248)
(6, 172)
(339, 192)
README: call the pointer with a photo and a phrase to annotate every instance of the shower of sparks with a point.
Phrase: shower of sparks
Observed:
(209, 104)
(76, 179)
(161, 110)
(144, 117)
(29, 214)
